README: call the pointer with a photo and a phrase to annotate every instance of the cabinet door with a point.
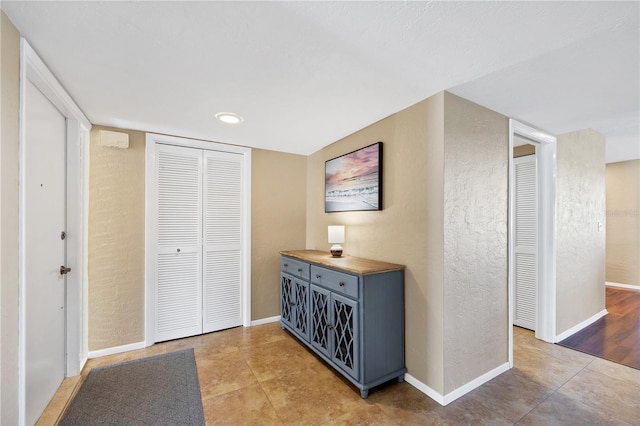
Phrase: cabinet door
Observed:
(286, 299)
(319, 329)
(300, 318)
(344, 335)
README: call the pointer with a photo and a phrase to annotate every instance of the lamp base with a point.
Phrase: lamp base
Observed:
(336, 250)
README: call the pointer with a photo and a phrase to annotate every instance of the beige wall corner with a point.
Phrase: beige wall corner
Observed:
(116, 242)
(623, 222)
(9, 174)
(409, 228)
(476, 185)
(580, 267)
(278, 222)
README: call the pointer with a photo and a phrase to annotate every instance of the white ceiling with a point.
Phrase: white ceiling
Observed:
(305, 74)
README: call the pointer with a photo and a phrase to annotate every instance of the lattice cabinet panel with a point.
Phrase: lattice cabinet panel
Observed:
(344, 333)
(320, 331)
(301, 311)
(286, 299)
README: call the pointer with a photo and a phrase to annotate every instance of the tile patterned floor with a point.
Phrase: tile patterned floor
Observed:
(263, 376)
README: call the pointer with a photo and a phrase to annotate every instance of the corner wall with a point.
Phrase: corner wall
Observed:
(407, 231)
(580, 264)
(9, 174)
(476, 191)
(623, 223)
(445, 218)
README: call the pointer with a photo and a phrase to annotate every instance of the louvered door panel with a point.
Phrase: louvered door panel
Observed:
(222, 220)
(179, 242)
(526, 236)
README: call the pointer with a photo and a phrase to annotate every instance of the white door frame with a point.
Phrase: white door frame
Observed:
(546, 298)
(78, 126)
(151, 222)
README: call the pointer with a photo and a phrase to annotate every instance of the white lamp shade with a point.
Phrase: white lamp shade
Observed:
(336, 234)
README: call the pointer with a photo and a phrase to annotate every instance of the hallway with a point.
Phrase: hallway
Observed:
(262, 375)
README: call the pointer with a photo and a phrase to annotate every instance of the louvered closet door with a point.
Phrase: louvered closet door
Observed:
(222, 240)
(179, 242)
(526, 229)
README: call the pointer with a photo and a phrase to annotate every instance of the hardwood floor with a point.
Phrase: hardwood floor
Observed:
(616, 336)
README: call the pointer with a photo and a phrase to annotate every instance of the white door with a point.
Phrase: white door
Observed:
(199, 241)
(526, 237)
(222, 251)
(44, 250)
(179, 242)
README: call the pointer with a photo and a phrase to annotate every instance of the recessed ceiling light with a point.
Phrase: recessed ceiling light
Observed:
(229, 117)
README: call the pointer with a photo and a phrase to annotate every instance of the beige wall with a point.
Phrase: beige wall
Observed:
(476, 187)
(116, 242)
(116, 235)
(522, 150)
(444, 217)
(10, 80)
(580, 290)
(399, 233)
(278, 222)
(623, 222)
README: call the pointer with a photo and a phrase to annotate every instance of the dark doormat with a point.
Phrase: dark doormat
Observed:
(158, 390)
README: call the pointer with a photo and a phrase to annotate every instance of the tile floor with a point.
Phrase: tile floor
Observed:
(263, 376)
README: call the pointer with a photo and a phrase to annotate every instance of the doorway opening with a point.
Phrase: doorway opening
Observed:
(544, 268)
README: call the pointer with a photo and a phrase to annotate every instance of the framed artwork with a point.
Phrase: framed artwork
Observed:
(353, 181)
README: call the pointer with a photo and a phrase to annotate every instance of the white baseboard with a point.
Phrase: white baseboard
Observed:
(462, 390)
(627, 286)
(573, 330)
(265, 320)
(116, 350)
(435, 395)
(477, 382)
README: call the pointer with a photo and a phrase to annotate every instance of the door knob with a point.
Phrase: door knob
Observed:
(64, 270)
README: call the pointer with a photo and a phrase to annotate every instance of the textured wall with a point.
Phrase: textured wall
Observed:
(476, 152)
(580, 291)
(278, 221)
(402, 232)
(623, 222)
(10, 72)
(116, 242)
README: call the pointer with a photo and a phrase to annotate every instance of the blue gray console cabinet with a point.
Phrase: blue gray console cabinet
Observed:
(349, 311)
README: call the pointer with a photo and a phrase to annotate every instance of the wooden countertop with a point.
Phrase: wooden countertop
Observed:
(356, 265)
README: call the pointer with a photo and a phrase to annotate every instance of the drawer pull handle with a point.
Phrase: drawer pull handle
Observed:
(318, 276)
(341, 283)
(286, 265)
(299, 269)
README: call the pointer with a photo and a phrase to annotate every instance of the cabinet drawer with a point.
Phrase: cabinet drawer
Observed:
(295, 267)
(335, 281)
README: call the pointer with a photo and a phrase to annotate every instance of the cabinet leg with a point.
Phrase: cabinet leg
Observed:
(364, 393)
(401, 378)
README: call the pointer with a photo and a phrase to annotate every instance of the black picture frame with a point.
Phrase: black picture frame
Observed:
(353, 181)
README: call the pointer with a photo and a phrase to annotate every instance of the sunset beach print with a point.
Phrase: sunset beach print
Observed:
(352, 181)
